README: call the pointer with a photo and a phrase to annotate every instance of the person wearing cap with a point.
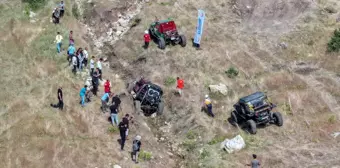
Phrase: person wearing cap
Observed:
(146, 39)
(136, 146)
(207, 104)
(82, 94)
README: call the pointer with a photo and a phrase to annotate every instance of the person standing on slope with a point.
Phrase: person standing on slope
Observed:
(74, 63)
(254, 163)
(60, 104)
(122, 130)
(136, 146)
(70, 52)
(92, 61)
(82, 94)
(100, 68)
(58, 40)
(62, 8)
(208, 106)
(107, 86)
(180, 86)
(146, 39)
(86, 56)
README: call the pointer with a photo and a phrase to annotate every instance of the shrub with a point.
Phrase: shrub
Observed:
(169, 81)
(232, 72)
(135, 22)
(112, 129)
(35, 4)
(144, 155)
(217, 139)
(204, 154)
(192, 134)
(334, 43)
(332, 119)
(189, 145)
(75, 11)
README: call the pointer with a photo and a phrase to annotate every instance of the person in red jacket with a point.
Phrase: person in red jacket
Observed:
(146, 39)
(180, 86)
(107, 86)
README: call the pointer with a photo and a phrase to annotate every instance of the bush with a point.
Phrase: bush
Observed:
(232, 72)
(144, 155)
(112, 129)
(189, 145)
(75, 11)
(169, 81)
(332, 119)
(334, 43)
(204, 154)
(136, 22)
(217, 139)
(35, 4)
(192, 134)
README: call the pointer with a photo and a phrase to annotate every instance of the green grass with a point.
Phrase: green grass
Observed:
(112, 129)
(217, 139)
(189, 145)
(144, 155)
(232, 72)
(75, 11)
(332, 119)
(191, 134)
(334, 44)
(204, 154)
(35, 4)
(169, 81)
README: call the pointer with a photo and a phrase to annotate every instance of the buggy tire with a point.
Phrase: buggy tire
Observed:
(251, 126)
(161, 43)
(138, 108)
(160, 108)
(183, 41)
(234, 121)
(277, 117)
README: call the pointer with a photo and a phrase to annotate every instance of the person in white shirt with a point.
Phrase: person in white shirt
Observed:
(74, 63)
(86, 56)
(99, 66)
(58, 40)
(92, 65)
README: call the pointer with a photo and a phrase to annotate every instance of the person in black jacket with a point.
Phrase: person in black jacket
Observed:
(126, 120)
(122, 130)
(60, 104)
(136, 146)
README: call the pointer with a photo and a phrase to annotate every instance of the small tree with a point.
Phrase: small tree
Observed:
(334, 43)
(232, 72)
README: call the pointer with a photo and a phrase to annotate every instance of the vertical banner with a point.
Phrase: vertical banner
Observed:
(199, 28)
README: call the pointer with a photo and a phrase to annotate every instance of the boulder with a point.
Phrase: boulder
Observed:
(122, 22)
(235, 144)
(116, 166)
(221, 88)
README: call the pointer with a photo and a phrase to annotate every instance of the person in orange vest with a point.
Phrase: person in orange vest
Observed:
(180, 86)
(146, 39)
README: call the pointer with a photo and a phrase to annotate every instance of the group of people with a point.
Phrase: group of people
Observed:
(58, 12)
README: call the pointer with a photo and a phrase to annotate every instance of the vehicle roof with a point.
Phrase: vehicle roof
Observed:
(252, 97)
(156, 87)
(165, 21)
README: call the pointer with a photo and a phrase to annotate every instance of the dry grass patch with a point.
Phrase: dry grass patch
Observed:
(284, 81)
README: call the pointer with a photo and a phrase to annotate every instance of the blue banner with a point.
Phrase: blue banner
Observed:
(199, 28)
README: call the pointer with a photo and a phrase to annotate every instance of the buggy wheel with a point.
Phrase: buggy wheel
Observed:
(183, 41)
(277, 117)
(161, 43)
(160, 108)
(251, 126)
(137, 106)
(233, 118)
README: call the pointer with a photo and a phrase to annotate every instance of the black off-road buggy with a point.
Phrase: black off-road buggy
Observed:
(254, 110)
(147, 97)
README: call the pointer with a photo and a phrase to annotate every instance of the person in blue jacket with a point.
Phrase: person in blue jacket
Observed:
(82, 95)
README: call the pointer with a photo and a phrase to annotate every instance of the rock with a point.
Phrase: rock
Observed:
(161, 139)
(153, 115)
(235, 144)
(335, 134)
(283, 45)
(330, 9)
(116, 166)
(222, 88)
(122, 22)
(32, 14)
(170, 154)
